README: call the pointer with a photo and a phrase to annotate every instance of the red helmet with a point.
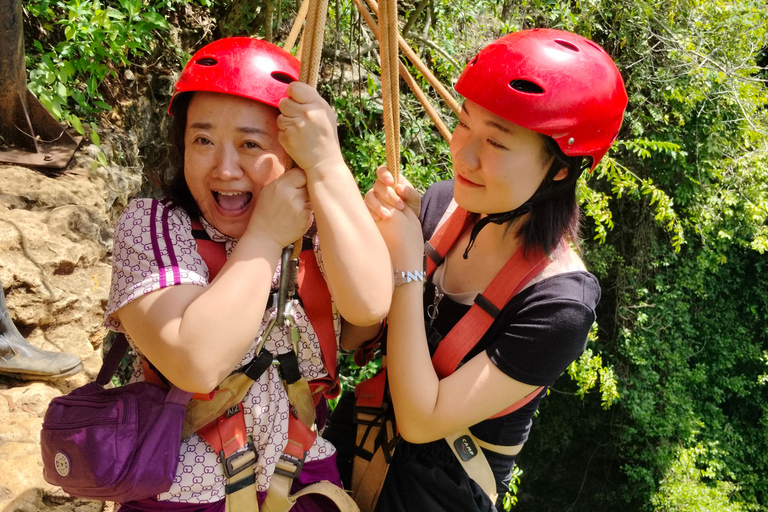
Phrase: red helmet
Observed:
(553, 82)
(241, 66)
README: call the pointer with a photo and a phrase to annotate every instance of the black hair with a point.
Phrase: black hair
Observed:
(554, 212)
(171, 181)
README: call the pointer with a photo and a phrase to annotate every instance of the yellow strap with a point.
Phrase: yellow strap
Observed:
(473, 460)
(201, 412)
(370, 480)
(300, 397)
(245, 499)
(504, 450)
(279, 498)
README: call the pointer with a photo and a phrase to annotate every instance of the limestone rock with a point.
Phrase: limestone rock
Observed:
(55, 250)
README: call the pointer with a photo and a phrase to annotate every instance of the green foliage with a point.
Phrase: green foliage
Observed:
(510, 497)
(685, 486)
(78, 45)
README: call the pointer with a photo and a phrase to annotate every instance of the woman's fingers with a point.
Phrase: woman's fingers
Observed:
(376, 207)
(387, 195)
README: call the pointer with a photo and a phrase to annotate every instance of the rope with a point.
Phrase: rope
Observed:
(416, 61)
(390, 81)
(312, 41)
(296, 28)
(408, 78)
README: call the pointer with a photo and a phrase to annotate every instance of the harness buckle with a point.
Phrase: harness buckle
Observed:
(290, 466)
(230, 463)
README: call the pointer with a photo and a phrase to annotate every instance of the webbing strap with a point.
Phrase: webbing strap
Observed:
(214, 254)
(515, 274)
(464, 446)
(316, 298)
(444, 238)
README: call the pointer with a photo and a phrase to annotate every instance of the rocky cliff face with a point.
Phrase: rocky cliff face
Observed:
(55, 249)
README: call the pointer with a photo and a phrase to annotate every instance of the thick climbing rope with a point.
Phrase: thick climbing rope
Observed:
(431, 111)
(296, 28)
(390, 83)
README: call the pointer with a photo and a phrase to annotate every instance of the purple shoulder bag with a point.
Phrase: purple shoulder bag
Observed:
(119, 444)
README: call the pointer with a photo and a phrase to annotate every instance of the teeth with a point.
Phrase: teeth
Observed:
(230, 193)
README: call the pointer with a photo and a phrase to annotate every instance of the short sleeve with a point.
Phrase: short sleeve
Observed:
(547, 329)
(153, 248)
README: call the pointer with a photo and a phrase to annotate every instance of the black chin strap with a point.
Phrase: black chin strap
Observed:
(496, 218)
(547, 189)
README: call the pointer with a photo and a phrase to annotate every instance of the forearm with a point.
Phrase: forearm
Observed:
(355, 257)
(413, 383)
(195, 338)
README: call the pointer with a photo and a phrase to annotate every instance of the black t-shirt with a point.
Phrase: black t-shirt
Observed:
(541, 331)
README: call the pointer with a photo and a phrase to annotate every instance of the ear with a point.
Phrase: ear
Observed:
(561, 174)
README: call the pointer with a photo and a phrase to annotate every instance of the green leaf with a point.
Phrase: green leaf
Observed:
(156, 19)
(76, 124)
(95, 136)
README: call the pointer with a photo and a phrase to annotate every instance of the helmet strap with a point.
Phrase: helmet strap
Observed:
(496, 218)
(548, 188)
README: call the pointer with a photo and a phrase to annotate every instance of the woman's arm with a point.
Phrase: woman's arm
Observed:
(426, 407)
(196, 335)
(355, 258)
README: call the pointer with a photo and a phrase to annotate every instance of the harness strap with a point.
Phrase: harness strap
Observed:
(316, 298)
(222, 425)
(512, 278)
(228, 437)
(375, 442)
(213, 253)
(465, 447)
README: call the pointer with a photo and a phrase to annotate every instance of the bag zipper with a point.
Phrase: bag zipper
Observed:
(93, 402)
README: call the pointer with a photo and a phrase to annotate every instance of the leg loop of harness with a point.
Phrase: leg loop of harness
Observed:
(376, 441)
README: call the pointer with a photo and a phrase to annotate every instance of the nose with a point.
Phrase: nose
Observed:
(464, 151)
(228, 164)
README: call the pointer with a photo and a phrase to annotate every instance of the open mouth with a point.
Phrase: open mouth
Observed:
(232, 201)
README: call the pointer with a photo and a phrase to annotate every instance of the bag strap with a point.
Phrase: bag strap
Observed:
(112, 359)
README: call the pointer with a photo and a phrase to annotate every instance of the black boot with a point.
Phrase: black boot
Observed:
(21, 360)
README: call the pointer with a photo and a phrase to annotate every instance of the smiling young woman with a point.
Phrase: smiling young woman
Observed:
(539, 104)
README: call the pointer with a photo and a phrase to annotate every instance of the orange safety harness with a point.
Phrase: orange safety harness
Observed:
(376, 437)
(226, 433)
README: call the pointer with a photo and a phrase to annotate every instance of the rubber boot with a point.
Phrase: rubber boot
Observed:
(21, 360)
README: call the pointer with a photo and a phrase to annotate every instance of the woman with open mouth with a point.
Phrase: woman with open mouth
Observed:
(258, 160)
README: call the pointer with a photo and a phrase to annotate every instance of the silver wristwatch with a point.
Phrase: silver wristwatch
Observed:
(409, 276)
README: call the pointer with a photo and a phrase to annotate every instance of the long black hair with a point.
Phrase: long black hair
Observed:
(554, 212)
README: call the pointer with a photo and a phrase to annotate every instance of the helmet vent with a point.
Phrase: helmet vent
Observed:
(566, 44)
(474, 61)
(596, 46)
(283, 77)
(526, 86)
(207, 61)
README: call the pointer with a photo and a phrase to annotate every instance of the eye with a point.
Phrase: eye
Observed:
(249, 144)
(463, 124)
(496, 144)
(203, 141)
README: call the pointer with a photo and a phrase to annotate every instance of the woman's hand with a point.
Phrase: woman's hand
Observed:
(399, 225)
(383, 198)
(283, 211)
(307, 127)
